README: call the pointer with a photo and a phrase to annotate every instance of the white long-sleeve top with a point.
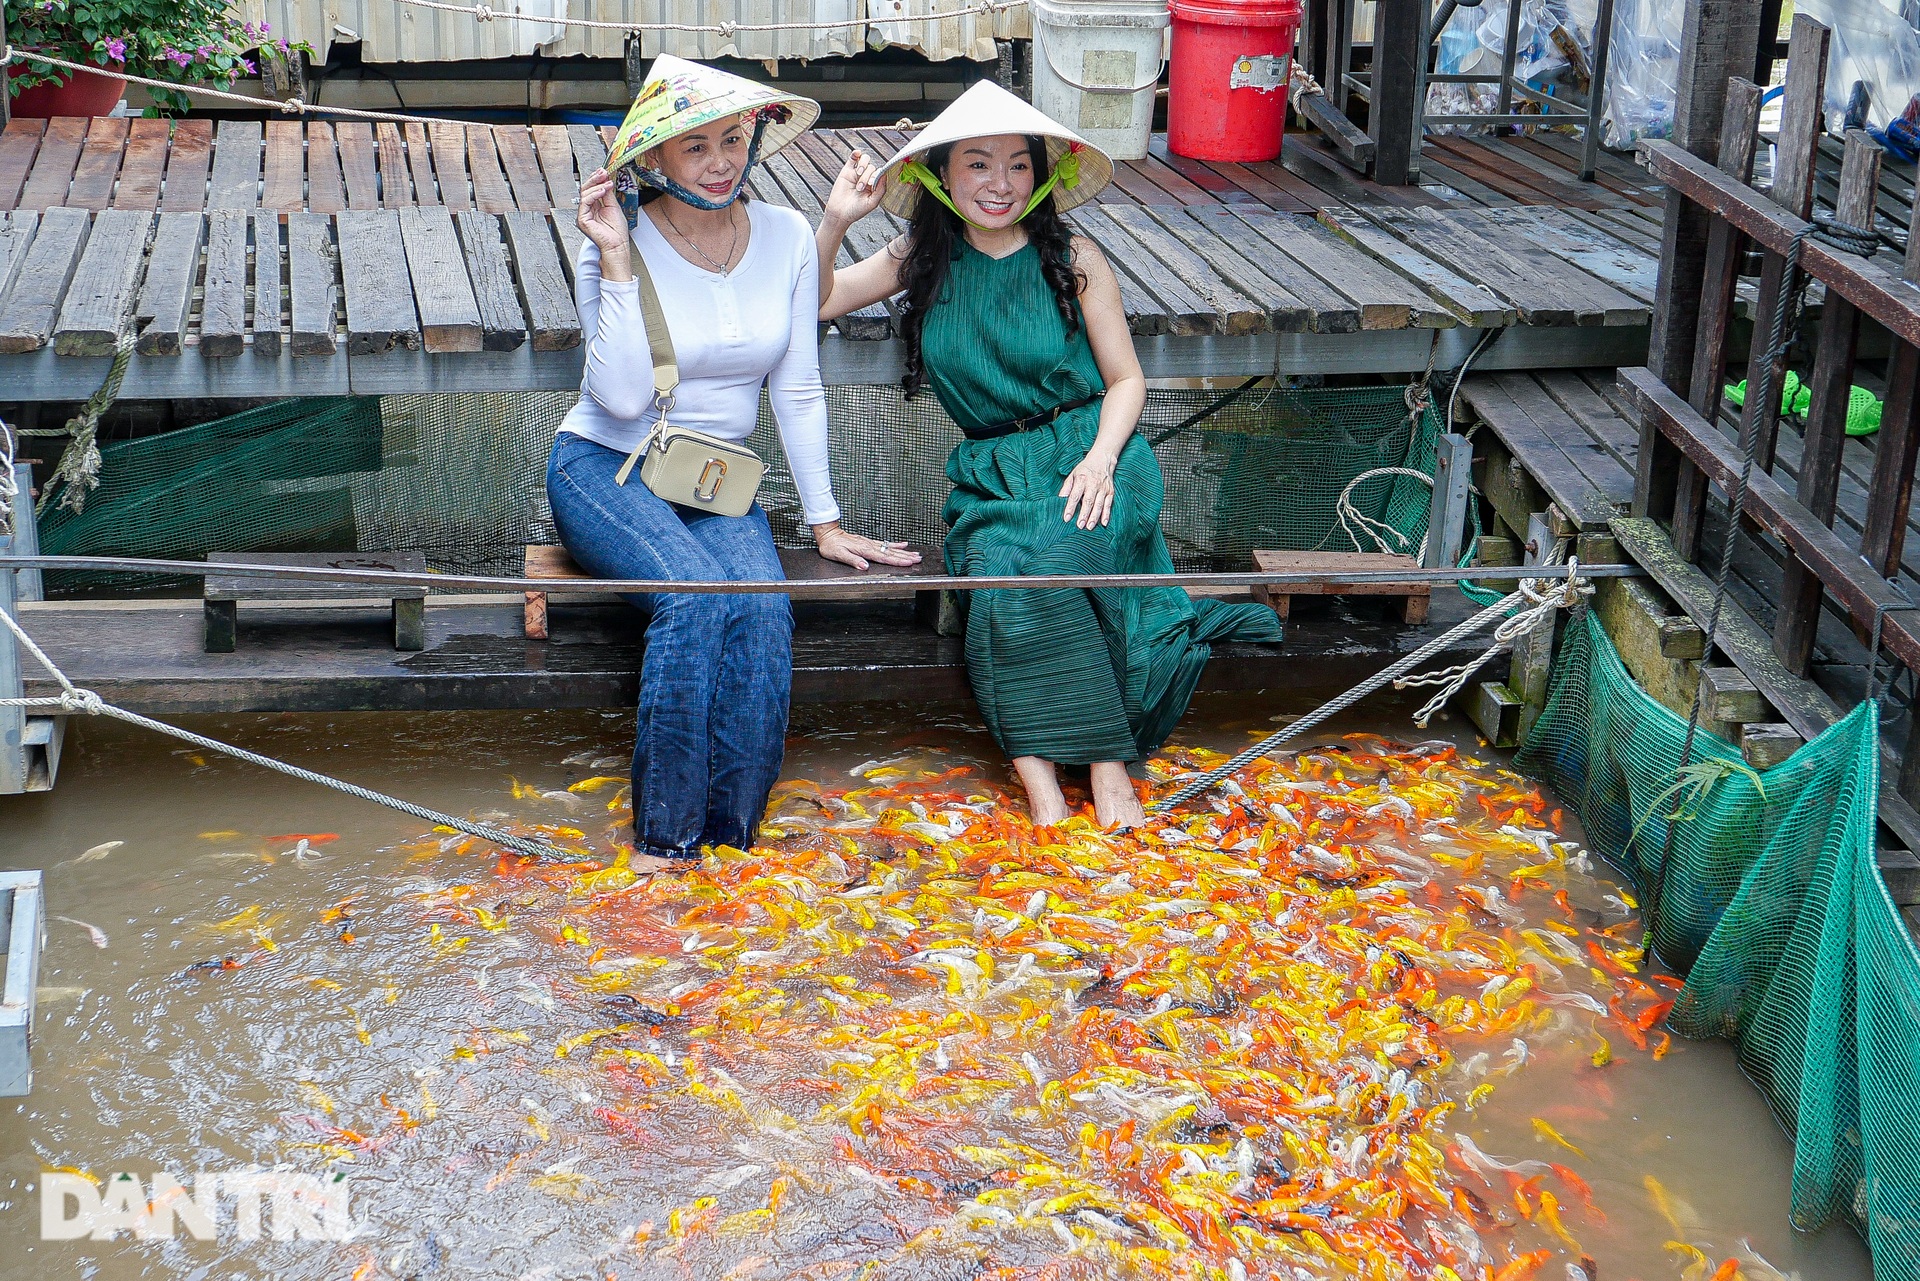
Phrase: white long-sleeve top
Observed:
(731, 334)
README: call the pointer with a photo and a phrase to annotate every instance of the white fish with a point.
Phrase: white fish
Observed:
(46, 995)
(97, 853)
(94, 932)
(1489, 1165)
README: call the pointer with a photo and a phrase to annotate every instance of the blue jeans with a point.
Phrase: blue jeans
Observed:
(714, 682)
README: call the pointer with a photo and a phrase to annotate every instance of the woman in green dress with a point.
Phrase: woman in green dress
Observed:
(1017, 327)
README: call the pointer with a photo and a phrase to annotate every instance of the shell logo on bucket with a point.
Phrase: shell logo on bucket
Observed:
(1228, 59)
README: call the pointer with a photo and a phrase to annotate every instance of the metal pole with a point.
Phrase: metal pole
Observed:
(13, 720)
(1508, 56)
(26, 535)
(1596, 89)
(1452, 466)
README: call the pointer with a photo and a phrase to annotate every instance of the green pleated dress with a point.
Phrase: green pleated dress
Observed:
(1071, 675)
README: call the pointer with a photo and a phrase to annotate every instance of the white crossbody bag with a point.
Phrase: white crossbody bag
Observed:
(687, 468)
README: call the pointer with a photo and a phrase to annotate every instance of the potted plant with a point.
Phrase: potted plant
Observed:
(181, 41)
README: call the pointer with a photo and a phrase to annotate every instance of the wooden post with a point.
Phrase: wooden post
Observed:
(6, 93)
(1716, 43)
(1829, 388)
(1399, 85)
(1802, 121)
(1738, 133)
(1533, 651)
(1890, 493)
(637, 64)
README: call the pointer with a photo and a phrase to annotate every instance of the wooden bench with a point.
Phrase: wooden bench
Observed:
(802, 568)
(1412, 597)
(224, 592)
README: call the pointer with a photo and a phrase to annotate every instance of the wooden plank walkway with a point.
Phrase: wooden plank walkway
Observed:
(147, 655)
(275, 259)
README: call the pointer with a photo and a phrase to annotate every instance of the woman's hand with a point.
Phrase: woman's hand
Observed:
(1089, 489)
(856, 192)
(600, 216)
(837, 544)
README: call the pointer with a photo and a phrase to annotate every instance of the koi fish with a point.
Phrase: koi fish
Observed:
(95, 935)
(1547, 1132)
(95, 853)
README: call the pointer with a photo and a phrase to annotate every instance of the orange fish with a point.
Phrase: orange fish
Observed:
(311, 838)
(1523, 1266)
(1727, 1271)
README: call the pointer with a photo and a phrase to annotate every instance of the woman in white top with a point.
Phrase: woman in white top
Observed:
(739, 285)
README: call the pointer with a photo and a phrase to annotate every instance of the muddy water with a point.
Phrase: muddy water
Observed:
(425, 1069)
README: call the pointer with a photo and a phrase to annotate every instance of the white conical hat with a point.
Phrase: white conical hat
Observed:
(679, 96)
(986, 111)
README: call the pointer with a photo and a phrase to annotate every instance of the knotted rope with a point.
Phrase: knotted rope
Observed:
(78, 471)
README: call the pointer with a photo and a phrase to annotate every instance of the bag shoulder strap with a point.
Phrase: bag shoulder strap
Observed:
(666, 368)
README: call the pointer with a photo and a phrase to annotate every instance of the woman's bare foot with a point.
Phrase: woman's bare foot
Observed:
(648, 864)
(1115, 803)
(1045, 801)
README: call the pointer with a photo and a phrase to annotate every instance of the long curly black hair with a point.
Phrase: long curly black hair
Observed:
(933, 238)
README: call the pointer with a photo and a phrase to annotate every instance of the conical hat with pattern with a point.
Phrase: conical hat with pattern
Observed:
(680, 96)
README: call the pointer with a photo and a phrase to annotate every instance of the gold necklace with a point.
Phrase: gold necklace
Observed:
(719, 268)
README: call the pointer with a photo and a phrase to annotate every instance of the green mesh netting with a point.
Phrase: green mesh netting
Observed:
(1772, 906)
(461, 477)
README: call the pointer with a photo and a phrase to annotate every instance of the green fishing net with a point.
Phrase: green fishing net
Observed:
(1772, 906)
(462, 477)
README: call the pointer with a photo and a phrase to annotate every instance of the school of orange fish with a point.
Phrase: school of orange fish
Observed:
(1240, 1041)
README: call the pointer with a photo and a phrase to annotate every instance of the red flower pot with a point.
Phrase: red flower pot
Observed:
(86, 93)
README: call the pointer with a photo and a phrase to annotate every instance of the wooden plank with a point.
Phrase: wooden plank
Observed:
(1831, 384)
(166, 295)
(1271, 194)
(27, 315)
(556, 164)
(503, 325)
(873, 322)
(1890, 488)
(490, 191)
(52, 171)
(1541, 447)
(420, 161)
(1724, 245)
(189, 155)
(1473, 304)
(373, 269)
(396, 185)
(1545, 290)
(589, 149)
(449, 142)
(1604, 257)
(1385, 299)
(359, 167)
(1236, 312)
(548, 303)
(235, 182)
(515, 146)
(1186, 310)
(223, 305)
(1801, 123)
(1202, 234)
(1184, 190)
(269, 326)
(19, 144)
(449, 314)
(326, 185)
(567, 229)
(16, 238)
(313, 288)
(1399, 64)
(1215, 186)
(1345, 139)
(1315, 305)
(99, 163)
(98, 306)
(283, 187)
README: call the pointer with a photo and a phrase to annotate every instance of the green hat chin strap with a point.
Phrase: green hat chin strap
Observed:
(1065, 173)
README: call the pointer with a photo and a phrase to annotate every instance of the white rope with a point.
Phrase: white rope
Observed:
(486, 13)
(76, 701)
(1353, 522)
(9, 490)
(292, 106)
(1558, 594)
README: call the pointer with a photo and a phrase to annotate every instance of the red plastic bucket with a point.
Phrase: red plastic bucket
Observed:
(1227, 90)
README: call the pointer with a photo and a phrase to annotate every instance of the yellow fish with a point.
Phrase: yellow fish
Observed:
(1547, 1132)
(587, 786)
(315, 1095)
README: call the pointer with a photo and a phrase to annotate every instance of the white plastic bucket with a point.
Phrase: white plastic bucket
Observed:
(1096, 64)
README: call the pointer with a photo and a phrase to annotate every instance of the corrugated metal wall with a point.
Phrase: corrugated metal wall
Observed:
(393, 32)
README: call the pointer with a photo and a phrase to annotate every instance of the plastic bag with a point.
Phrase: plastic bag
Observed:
(1643, 69)
(1871, 42)
(1473, 43)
